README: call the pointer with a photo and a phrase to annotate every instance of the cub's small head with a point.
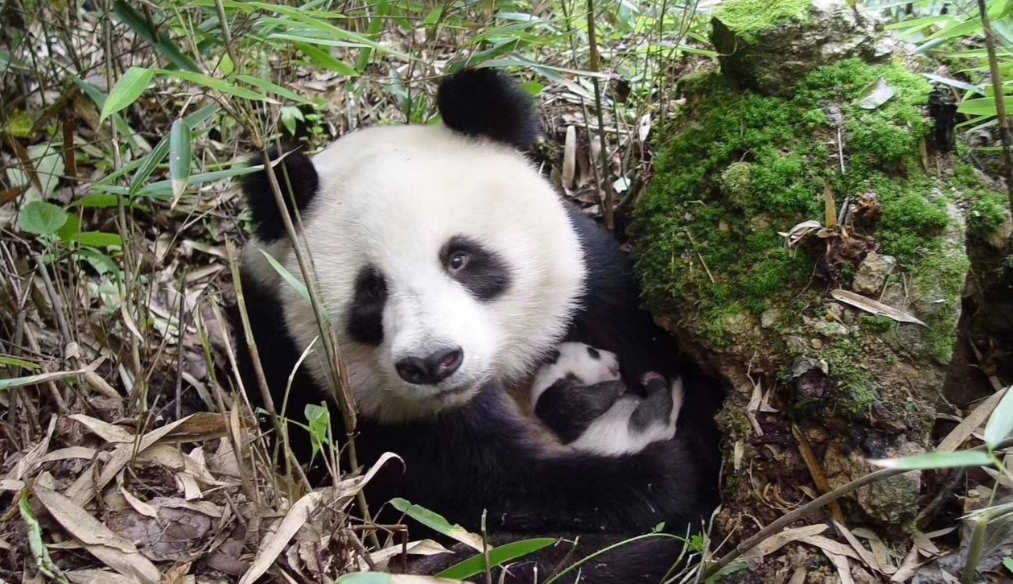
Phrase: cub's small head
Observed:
(442, 257)
(583, 364)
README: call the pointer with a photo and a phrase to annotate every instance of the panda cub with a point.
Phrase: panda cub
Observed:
(581, 397)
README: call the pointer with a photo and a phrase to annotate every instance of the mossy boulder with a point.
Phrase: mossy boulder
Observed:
(737, 259)
(769, 45)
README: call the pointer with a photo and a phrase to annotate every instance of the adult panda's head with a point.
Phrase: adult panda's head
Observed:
(444, 259)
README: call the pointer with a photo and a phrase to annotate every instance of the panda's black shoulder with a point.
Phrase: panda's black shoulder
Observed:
(299, 183)
(610, 315)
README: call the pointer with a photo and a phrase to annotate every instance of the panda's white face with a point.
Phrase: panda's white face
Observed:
(443, 262)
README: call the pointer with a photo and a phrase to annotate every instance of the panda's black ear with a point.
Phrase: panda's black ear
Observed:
(295, 169)
(487, 103)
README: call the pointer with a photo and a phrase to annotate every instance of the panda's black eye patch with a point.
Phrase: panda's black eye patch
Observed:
(593, 353)
(482, 271)
(365, 315)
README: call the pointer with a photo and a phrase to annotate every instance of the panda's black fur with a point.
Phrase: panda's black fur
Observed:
(480, 457)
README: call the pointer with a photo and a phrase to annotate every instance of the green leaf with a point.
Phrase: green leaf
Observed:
(287, 276)
(70, 229)
(982, 106)
(6, 60)
(162, 43)
(127, 90)
(98, 202)
(227, 66)
(1008, 563)
(36, 544)
(273, 88)
(497, 557)
(180, 157)
(99, 239)
(42, 218)
(324, 59)
(438, 523)
(1000, 423)
(332, 31)
(937, 460)
(148, 165)
(12, 362)
(289, 115)
(215, 84)
(319, 419)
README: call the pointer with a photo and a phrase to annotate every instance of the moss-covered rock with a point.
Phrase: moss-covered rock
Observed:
(768, 45)
(737, 173)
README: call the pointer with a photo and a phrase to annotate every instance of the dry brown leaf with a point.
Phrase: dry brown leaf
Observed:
(113, 550)
(31, 458)
(99, 577)
(272, 545)
(176, 574)
(866, 556)
(137, 504)
(873, 306)
(569, 157)
(84, 489)
(828, 545)
(109, 432)
(777, 541)
(424, 547)
(798, 577)
(843, 570)
(972, 422)
(72, 452)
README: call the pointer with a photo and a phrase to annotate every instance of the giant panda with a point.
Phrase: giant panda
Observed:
(450, 268)
(579, 396)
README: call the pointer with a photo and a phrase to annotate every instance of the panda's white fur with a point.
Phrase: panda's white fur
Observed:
(572, 358)
(611, 433)
(385, 199)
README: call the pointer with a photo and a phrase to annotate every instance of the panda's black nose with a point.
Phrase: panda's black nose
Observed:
(432, 369)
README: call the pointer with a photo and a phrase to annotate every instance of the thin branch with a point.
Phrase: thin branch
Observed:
(1000, 99)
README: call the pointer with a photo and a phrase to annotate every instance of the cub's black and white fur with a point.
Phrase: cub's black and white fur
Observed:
(581, 397)
(450, 269)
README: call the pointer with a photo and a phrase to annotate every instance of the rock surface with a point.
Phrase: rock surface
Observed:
(738, 261)
(771, 45)
(872, 273)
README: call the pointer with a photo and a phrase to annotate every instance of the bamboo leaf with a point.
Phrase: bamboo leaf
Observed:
(982, 106)
(438, 523)
(215, 84)
(497, 556)
(1000, 423)
(180, 157)
(127, 90)
(98, 239)
(873, 306)
(937, 460)
(273, 88)
(161, 42)
(324, 59)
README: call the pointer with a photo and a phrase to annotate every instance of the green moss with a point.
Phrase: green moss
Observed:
(852, 388)
(748, 18)
(941, 275)
(746, 166)
(987, 213)
(876, 324)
